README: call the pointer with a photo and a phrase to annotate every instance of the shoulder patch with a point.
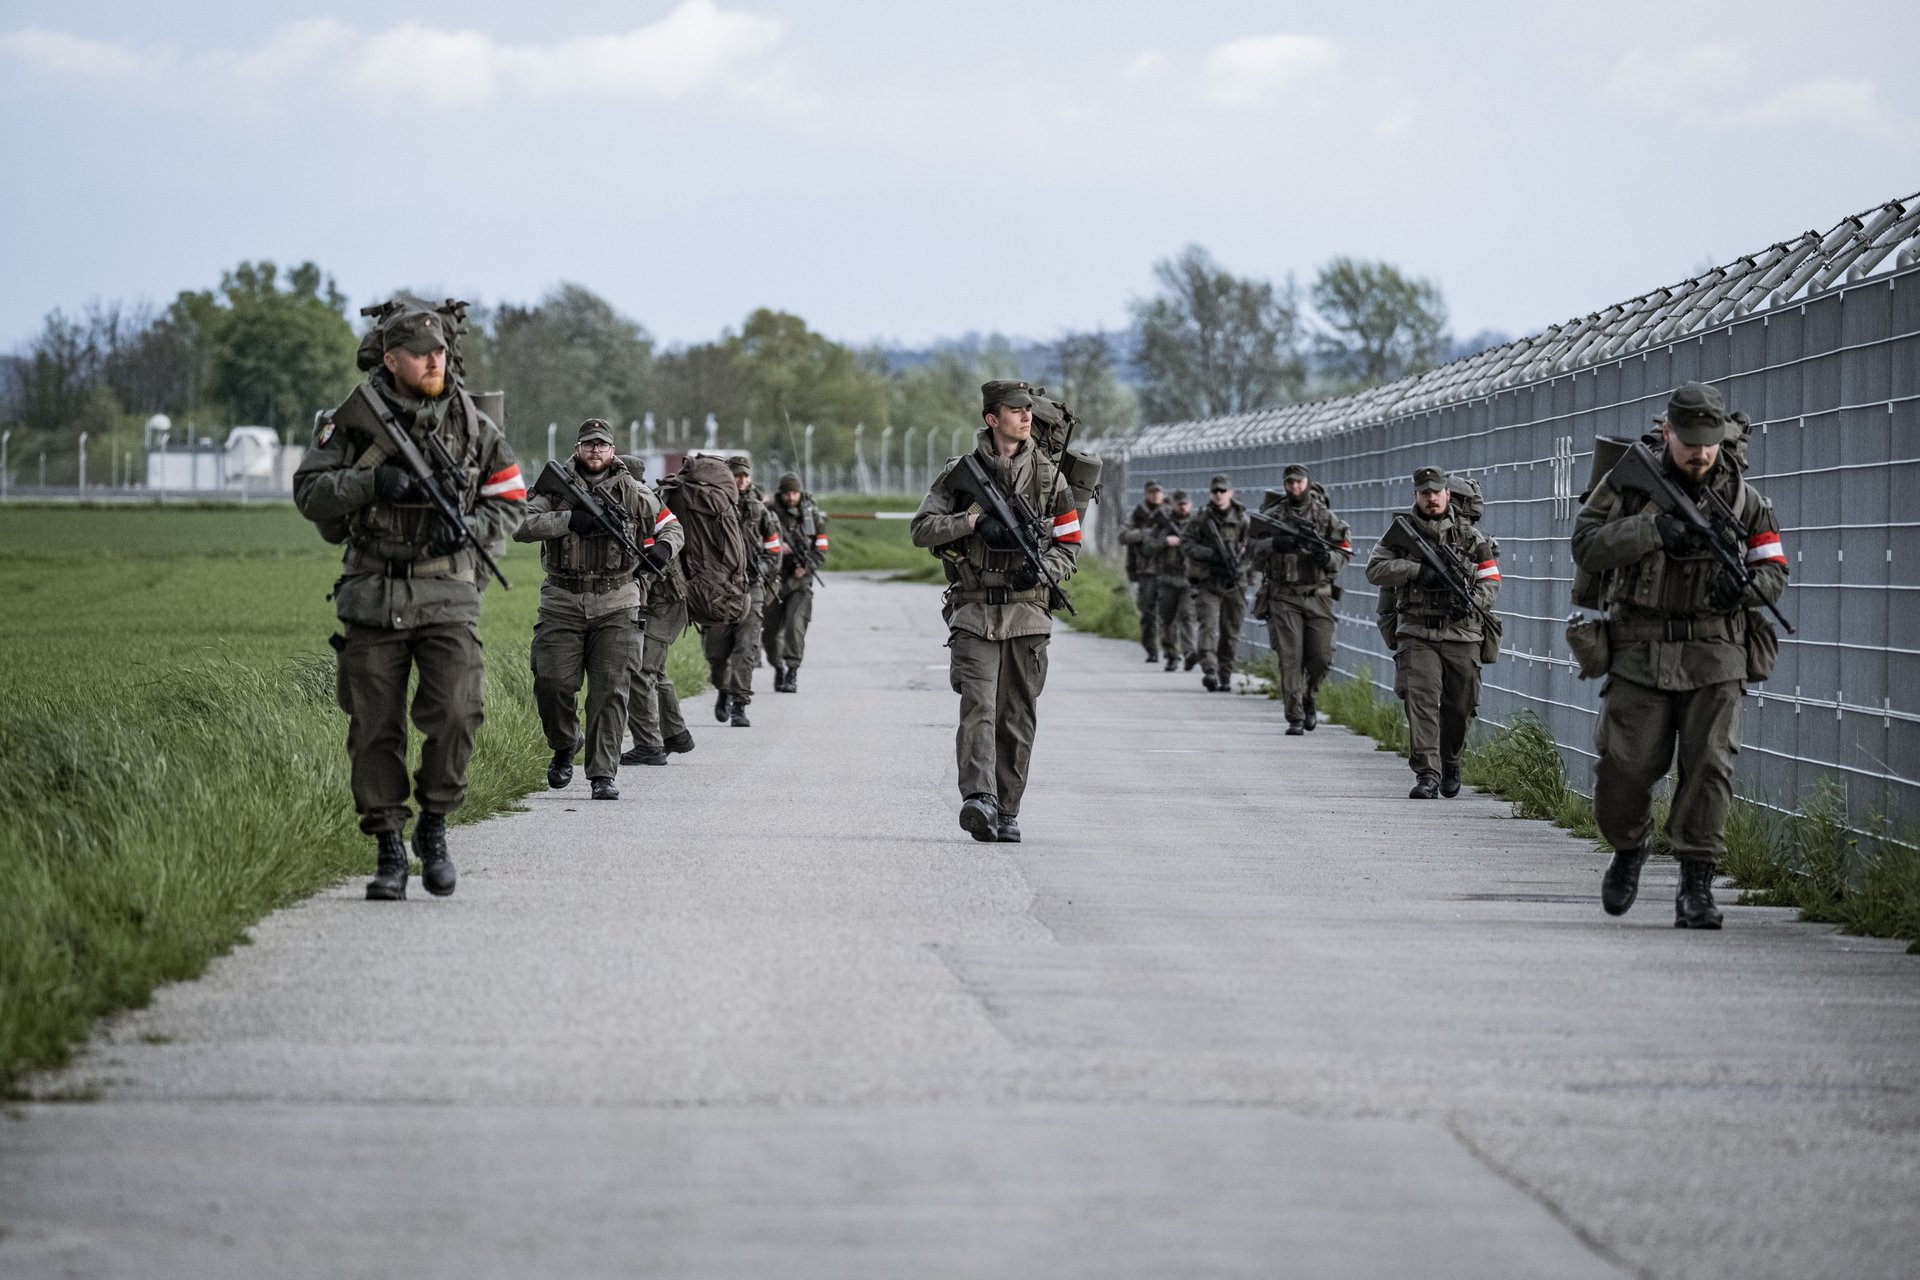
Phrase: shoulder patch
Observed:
(324, 434)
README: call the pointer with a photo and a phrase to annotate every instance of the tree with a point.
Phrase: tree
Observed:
(1380, 325)
(568, 358)
(1212, 343)
(1083, 368)
(280, 355)
(795, 376)
(701, 379)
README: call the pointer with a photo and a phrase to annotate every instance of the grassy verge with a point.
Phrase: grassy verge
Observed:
(175, 762)
(1103, 598)
(1808, 859)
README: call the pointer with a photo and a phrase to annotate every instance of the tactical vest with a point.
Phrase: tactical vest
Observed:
(1673, 586)
(1462, 543)
(382, 532)
(977, 572)
(1292, 571)
(596, 564)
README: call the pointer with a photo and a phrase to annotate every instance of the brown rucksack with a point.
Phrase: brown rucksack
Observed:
(705, 499)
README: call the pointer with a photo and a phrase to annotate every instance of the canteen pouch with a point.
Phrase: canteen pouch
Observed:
(1763, 646)
(1592, 645)
(1491, 628)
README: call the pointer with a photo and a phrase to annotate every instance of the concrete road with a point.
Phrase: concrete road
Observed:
(1235, 1008)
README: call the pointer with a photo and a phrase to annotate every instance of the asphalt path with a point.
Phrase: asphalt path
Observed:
(1236, 1007)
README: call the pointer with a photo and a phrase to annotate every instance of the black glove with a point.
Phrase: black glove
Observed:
(581, 521)
(447, 539)
(1024, 578)
(394, 483)
(1458, 609)
(1320, 555)
(1430, 578)
(659, 555)
(1677, 536)
(996, 534)
(1725, 592)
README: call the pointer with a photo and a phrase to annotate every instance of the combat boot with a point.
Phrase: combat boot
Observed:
(680, 743)
(1152, 657)
(1449, 780)
(641, 755)
(1193, 660)
(793, 680)
(1426, 786)
(1007, 829)
(722, 706)
(1295, 729)
(1173, 663)
(604, 789)
(389, 883)
(1309, 716)
(1693, 908)
(1210, 683)
(560, 768)
(980, 816)
(430, 846)
(1621, 883)
(739, 718)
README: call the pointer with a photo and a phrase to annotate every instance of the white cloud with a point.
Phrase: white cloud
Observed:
(1707, 85)
(1150, 65)
(1841, 104)
(1684, 79)
(698, 47)
(1258, 71)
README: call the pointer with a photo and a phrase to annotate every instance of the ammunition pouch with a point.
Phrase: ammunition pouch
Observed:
(1592, 645)
(1763, 646)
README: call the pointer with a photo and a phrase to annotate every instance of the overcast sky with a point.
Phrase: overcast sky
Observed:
(907, 172)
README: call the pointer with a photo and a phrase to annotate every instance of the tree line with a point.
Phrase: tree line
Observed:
(270, 347)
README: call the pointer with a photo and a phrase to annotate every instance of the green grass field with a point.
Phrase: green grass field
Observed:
(175, 763)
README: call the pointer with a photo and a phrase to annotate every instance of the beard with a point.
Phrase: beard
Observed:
(429, 387)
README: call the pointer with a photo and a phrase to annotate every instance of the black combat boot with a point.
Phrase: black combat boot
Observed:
(1193, 660)
(1426, 786)
(430, 846)
(1621, 883)
(680, 743)
(1694, 908)
(1007, 829)
(560, 768)
(641, 755)
(1309, 715)
(980, 816)
(1295, 729)
(1173, 662)
(1152, 657)
(739, 717)
(1210, 683)
(604, 789)
(793, 680)
(389, 883)
(1449, 780)
(722, 706)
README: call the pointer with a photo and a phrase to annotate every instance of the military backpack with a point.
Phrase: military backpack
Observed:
(705, 499)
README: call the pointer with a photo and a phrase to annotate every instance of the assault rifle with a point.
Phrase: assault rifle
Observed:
(1031, 533)
(441, 481)
(1228, 565)
(559, 484)
(1638, 471)
(1407, 543)
(1288, 531)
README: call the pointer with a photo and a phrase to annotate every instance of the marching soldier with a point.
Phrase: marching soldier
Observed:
(1437, 636)
(1215, 549)
(409, 592)
(732, 651)
(998, 608)
(589, 625)
(803, 539)
(1297, 592)
(1141, 537)
(653, 705)
(1678, 631)
(1176, 596)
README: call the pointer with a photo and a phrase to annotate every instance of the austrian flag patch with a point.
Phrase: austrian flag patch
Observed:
(505, 483)
(1066, 528)
(1765, 547)
(1487, 571)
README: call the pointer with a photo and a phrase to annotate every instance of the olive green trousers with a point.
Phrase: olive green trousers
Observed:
(999, 683)
(653, 705)
(789, 611)
(1640, 729)
(371, 687)
(1300, 629)
(601, 652)
(1439, 683)
(1218, 615)
(733, 650)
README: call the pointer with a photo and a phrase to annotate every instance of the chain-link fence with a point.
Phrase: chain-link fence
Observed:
(1817, 340)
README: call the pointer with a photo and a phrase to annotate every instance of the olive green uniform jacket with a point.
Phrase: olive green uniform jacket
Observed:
(1421, 613)
(1294, 576)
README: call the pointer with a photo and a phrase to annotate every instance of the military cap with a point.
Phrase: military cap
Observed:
(1429, 480)
(740, 464)
(594, 429)
(1294, 469)
(419, 331)
(1698, 414)
(1002, 391)
(1180, 495)
(1150, 486)
(1219, 484)
(790, 483)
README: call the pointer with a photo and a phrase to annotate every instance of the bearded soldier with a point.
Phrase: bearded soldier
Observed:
(1437, 632)
(1297, 591)
(1215, 548)
(998, 607)
(1143, 536)
(733, 649)
(589, 625)
(803, 540)
(1677, 631)
(408, 596)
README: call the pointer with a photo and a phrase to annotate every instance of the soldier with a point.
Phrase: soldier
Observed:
(409, 592)
(1677, 631)
(997, 609)
(1215, 549)
(733, 651)
(653, 705)
(1176, 597)
(589, 625)
(1296, 593)
(803, 538)
(1436, 635)
(1142, 534)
